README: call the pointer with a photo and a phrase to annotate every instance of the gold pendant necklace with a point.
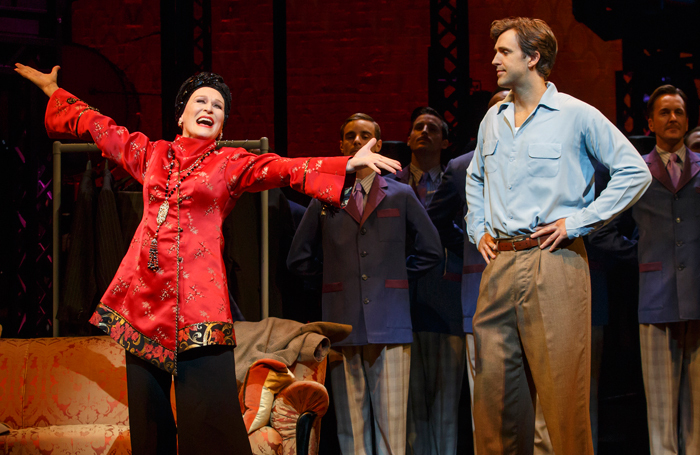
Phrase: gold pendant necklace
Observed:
(162, 212)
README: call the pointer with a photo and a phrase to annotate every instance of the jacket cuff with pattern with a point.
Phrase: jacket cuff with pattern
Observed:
(68, 117)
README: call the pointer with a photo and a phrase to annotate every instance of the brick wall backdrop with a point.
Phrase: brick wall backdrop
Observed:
(242, 54)
(346, 57)
(585, 65)
(343, 57)
(128, 34)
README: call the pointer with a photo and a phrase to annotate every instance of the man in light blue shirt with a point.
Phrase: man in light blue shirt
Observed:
(530, 193)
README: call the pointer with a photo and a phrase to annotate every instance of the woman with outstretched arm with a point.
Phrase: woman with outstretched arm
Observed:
(168, 303)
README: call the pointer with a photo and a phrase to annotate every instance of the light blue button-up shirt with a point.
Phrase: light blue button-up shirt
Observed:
(544, 171)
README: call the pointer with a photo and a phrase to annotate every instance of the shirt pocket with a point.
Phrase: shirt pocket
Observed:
(543, 159)
(332, 287)
(650, 267)
(489, 150)
(390, 225)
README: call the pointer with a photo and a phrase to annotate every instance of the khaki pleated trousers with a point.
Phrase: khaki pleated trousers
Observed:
(532, 329)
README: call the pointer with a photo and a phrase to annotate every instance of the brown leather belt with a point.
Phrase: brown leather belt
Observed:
(527, 242)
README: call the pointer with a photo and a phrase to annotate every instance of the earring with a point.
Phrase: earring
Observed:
(179, 124)
(221, 135)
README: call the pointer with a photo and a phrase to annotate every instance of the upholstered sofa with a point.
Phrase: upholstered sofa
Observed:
(63, 396)
(69, 396)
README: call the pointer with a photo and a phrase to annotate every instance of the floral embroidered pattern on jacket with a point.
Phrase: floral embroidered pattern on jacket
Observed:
(184, 304)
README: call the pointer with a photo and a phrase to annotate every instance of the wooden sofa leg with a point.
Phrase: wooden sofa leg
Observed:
(305, 424)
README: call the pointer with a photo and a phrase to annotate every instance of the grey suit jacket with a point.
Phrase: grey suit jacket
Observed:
(668, 219)
(365, 269)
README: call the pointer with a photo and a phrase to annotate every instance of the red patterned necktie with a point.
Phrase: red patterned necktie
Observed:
(673, 169)
(359, 197)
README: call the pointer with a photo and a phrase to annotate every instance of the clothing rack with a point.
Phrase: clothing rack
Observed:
(59, 148)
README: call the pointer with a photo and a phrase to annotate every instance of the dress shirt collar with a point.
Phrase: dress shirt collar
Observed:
(417, 173)
(549, 99)
(366, 183)
(665, 156)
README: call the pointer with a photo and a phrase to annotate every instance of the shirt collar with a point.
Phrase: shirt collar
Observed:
(416, 173)
(549, 99)
(367, 182)
(665, 156)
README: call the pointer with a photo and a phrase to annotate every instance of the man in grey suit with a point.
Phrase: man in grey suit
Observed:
(668, 218)
(361, 250)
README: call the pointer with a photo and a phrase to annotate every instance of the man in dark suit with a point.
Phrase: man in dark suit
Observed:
(450, 200)
(438, 348)
(668, 218)
(361, 249)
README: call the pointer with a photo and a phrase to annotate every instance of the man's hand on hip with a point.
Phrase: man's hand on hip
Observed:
(556, 232)
(487, 248)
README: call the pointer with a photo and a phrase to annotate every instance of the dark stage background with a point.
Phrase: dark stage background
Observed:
(297, 69)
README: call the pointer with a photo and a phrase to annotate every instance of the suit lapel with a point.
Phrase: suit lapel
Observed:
(690, 168)
(375, 196)
(658, 171)
(403, 175)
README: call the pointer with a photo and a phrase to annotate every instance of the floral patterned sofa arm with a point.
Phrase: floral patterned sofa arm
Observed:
(296, 415)
(282, 411)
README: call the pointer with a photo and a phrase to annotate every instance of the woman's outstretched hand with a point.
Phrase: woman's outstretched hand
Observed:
(47, 82)
(366, 158)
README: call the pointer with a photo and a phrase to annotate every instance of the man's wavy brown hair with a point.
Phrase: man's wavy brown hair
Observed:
(534, 35)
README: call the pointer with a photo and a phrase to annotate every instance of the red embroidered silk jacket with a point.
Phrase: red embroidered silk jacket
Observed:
(185, 303)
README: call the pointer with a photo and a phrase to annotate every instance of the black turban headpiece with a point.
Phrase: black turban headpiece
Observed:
(198, 81)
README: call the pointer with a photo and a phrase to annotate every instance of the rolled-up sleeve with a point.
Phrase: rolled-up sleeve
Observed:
(629, 175)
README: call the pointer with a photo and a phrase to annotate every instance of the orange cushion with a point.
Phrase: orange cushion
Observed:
(264, 379)
(266, 441)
